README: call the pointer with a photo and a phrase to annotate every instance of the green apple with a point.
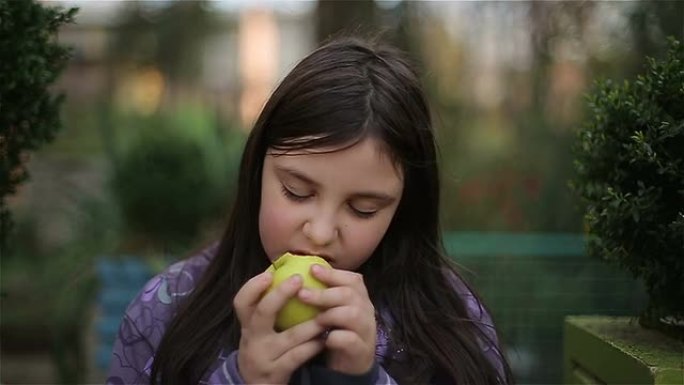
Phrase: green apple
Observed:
(295, 311)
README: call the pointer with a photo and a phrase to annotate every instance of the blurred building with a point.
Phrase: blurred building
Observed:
(251, 47)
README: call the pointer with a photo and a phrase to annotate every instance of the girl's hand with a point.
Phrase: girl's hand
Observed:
(266, 356)
(351, 316)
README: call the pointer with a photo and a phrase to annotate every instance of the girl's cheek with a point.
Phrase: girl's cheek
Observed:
(276, 226)
(364, 243)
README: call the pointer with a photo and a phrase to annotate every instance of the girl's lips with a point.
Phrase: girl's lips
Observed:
(302, 252)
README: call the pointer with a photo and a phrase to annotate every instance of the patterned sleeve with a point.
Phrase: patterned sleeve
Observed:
(384, 378)
(142, 328)
(146, 319)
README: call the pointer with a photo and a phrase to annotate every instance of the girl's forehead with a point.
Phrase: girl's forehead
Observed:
(369, 154)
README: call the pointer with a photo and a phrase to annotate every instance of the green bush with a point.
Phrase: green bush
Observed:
(170, 182)
(161, 186)
(629, 162)
(30, 61)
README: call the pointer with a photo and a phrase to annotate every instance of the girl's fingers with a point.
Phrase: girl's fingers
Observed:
(264, 315)
(353, 318)
(327, 298)
(249, 295)
(350, 352)
(300, 354)
(336, 277)
(299, 334)
(342, 340)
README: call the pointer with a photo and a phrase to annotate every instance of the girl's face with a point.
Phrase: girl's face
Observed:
(337, 205)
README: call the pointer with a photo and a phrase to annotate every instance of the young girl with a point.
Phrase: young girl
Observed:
(342, 164)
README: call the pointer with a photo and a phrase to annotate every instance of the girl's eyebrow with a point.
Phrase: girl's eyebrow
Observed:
(297, 174)
(382, 197)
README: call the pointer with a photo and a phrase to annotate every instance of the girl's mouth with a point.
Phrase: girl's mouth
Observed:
(302, 252)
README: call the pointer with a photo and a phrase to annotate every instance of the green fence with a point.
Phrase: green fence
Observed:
(531, 282)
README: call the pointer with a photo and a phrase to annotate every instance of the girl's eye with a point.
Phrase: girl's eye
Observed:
(364, 214)
(292, 196)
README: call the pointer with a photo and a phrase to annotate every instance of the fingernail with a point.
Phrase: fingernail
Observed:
(316, 269)
(296, 279)
(305, 294)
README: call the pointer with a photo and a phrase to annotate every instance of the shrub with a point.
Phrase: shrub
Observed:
(629, 162)
(169, 184)
(30, 61)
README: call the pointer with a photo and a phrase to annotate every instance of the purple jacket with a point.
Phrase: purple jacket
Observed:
(150, 312)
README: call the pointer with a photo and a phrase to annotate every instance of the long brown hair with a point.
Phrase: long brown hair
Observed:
(343, 92)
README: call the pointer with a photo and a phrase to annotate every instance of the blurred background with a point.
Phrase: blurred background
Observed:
(160, 98)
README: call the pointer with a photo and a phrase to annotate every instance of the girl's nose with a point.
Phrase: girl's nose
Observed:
(320, 231)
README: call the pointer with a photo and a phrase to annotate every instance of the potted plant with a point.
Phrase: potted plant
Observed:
(629, 163)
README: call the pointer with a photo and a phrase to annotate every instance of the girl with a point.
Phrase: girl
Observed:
(341, 163)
